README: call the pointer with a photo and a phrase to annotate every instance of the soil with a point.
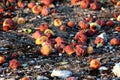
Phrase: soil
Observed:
(33, 64)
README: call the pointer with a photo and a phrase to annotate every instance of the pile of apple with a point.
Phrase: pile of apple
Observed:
(45, 37)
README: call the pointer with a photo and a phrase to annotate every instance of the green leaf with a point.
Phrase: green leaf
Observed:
(64, 62)
(99, 45)
(27, 30)
(24, 65)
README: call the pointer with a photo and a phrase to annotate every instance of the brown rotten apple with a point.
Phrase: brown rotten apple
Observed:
(95, 5)
(110, 23)
(94, 64)
(115, 41)
(100, 22)
(46, 2)
(83, 24)
(117, 28)
(8, 24)
(43, 27)
(36, 9)
(20, 4)
(2, 59)
(84, 4)
(31, 4)
(99, 40)
(46, 49)
(69, 49)
(74, 1)
(80, 51)
(45, 11)
(14, 64)
(63, 27)
(71, 24)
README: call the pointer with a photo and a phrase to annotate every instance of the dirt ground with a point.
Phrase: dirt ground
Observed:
(34, 64)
